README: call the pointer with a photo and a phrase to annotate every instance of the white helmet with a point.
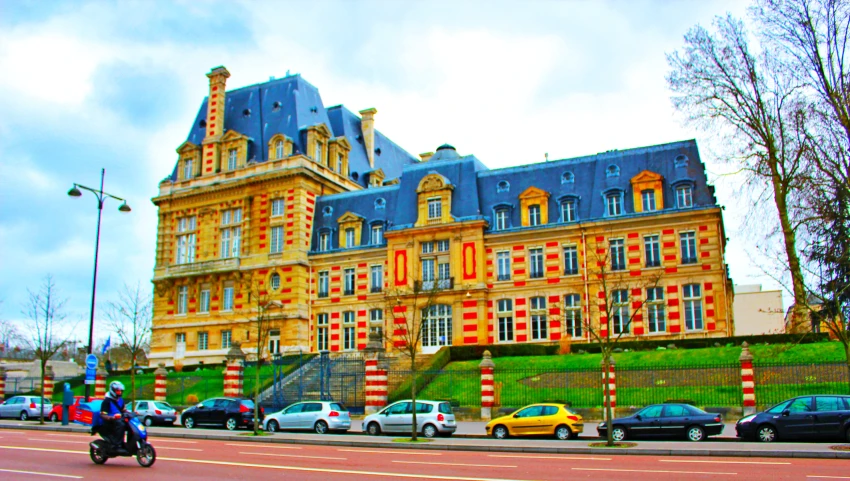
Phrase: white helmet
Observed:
(116, 386)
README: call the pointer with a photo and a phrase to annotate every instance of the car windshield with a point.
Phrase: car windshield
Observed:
(445, 408)
(778, 408)
(161, 405)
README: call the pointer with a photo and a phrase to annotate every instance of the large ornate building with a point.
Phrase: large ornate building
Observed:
(327, 215)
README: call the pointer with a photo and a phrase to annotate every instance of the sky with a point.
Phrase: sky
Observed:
(117, 85)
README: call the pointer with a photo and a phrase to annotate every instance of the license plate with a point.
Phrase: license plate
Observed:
(451, 421)
(169, 419)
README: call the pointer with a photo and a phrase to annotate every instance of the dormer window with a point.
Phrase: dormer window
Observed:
(377, 237)
(501, 218)
(435, 208)
(339, 163)
(614, 204)
(680, 161)
(319, 157)
(648, 200)
(684, 196)
(327, 211)
(380, 203)
(278, 149)
(231, 159)
(568, 210)
(568, 178)
(534, 215)
(324, 241)
(503, 186)
(188, 171)
(612, 171)
(349, 238)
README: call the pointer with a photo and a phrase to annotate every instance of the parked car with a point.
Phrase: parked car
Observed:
(679, 420)
(25, 407)
(803, 417)
(319, 416)
(56, 413)
(433, 418)
(231, 413)
(538, 419)
(155, 412)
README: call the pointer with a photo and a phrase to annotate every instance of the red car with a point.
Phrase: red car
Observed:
(56, 414)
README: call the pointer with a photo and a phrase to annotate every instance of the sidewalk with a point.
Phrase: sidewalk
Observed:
(726, 448)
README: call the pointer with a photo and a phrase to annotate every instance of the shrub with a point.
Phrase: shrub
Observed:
(191, 399)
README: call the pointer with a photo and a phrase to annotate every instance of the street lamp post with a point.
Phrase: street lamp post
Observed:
(101, 198)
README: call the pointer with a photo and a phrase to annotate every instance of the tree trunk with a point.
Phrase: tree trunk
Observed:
(133, 382)
(847, 357)
(413, 430)
(41, 408)
(257, 395)
(606, 366)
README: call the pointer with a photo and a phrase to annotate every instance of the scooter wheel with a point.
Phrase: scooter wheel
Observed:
(97, 452)
(146, 456)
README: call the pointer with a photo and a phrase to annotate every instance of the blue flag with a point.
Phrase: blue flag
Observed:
(106, 346)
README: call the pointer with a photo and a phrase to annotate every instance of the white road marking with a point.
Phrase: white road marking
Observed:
(828, 477)
(716, 462)
(40, 474)
(651, 471)
(566, 458)
(261, 445)
(278, 455)
(164, 440)
(397, 451)
(58, 441)
(178, 449)
(457, 464)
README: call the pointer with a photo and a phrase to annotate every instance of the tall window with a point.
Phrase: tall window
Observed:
(688, 242)
(323, 284)
(444, 275)
(652, 250)
(319, 152)
(620, 312)
(231, 159)
(535, 263)
(322, 332)
(539, 326)
(339, 164)
(182, 299)
(657, 322)
(570, 260)
(348, 331)
(377, 235)
(437, 326)
(427, 271)
(276, 242)
(501, 219)
(348, 282)
(204, 305)
(503, 265)
(324, 241)
(349, 237)
(231, 232)
(274, 281)
(505, 314)
(443, 245)
(427, 247)
(614, 204)
(185, 240)
(226, 339)
(227, 304)
(534, 215)
(648, 199)
(377, 278)
(180, 338)
(277, 207)
(691, 294)
(187, 168)
(568, 211)
(274, 341)
(376, 321)
(278, 149)
(203, 341)
(618, 254)
(435, 208)
(684, 196)
(572, 315)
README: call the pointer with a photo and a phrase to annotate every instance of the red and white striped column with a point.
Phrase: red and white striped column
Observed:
(376, 386)
(48, 382)
(2, 383)
(159, 383)
(748, 384)
(488, 393)
(100, 383)
(611, 387)
(234, 371)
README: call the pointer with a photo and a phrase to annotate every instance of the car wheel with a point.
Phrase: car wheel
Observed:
(148, 421)
(847, 435)
(320, 427)
(696, 434)
(24, 416)
(618, 433)
(231, 424)
(429, 430)
(189, 422)
(500, 432)
(54, 418)
(272, 426)
(373, 429)
(766, 433)
(563, 432)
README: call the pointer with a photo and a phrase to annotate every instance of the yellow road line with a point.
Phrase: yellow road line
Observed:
(261, 445)
(40, 474)
(457, 464)
(278, 455)
(566, 458)
(717, 462)
(651, 471)
(392, 451)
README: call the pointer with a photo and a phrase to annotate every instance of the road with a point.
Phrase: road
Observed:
(34, 455)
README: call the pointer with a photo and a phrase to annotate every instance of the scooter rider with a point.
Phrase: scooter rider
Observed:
(111, 411)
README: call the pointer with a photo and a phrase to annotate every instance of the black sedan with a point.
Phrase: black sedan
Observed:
(228, 412)
(679, 420)
(803, 417)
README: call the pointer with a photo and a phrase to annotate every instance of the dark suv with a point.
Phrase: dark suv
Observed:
(221, 411)
(805, 417)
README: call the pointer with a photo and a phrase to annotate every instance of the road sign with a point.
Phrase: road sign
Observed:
(91, 368)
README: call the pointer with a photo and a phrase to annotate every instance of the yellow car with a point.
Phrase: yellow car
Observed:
(538, 420)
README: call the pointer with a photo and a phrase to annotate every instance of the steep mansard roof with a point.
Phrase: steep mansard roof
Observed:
(288, 106)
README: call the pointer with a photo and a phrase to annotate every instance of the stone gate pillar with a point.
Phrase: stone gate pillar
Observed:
(48, 382)
(159, 384)
(612, 388)
(234, 371)
(376, 376)
(488, 395)
(2, 383)
(747, 380)
(100, 383)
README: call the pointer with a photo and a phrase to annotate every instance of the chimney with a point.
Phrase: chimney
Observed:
(215, 106)
(367, 125)
(425, 156)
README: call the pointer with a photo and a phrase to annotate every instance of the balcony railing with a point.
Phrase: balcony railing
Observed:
(439, 284)
(503, 277)
(689, 260)
(376, 289)
(202, 267)
(348, 292)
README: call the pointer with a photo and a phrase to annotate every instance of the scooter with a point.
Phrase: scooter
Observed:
(137, 444)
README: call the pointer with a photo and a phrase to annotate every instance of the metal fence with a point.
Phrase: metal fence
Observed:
(27, 385)
(709, 385)
(776, 382)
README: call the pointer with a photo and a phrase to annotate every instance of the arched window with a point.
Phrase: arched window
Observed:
(680, 161)
(569, 208)
(614, 202)
(612, 171)
(503, 186)
(568, 178)
(327, 211)
(278, 149)
(380, 203)
(274, 281)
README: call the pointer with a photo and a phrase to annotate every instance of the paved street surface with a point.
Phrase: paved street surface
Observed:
(31, 455)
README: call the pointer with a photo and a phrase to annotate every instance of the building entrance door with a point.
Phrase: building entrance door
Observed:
(436, 328)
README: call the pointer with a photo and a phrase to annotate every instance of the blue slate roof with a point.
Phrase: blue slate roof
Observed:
(476, 193)
(288, 106)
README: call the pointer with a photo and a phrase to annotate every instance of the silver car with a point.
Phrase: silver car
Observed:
(433, 418)
(25, 407)
(319, 416)
(155, 412)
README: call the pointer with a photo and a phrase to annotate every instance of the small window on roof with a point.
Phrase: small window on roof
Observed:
(680, 161)
(355, 175)
(378, 151)
(503, 186)
(202, 124)
(568, 178)
(327, 211)
(276, 106)
(246, 112)
(612, 171)
(380, 203)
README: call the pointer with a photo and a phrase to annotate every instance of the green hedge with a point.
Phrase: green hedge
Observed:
(468, 353)
(648, 345)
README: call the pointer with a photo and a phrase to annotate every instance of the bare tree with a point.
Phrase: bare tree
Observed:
(10, 337)
(760, 112)
(405, 309)
(131, 318)
(48, 329)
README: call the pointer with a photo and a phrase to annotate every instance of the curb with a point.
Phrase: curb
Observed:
(638, 451)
